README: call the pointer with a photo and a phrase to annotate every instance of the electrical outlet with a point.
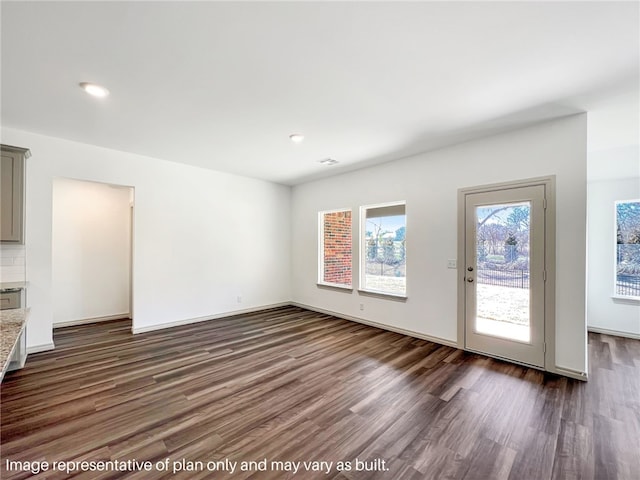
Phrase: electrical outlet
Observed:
(362, 306)
(452, 263)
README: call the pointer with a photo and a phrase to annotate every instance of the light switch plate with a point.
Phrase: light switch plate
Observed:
(452, 263)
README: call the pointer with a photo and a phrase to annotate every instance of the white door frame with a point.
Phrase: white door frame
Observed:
(549, 259)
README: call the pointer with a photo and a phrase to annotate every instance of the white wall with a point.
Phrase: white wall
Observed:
(614, 163)
(606, 313)
(201, 238)
(91, 244)
(429, 183)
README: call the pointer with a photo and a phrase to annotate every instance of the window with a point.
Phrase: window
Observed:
(383, 249)
(334, 267)
(628, 249)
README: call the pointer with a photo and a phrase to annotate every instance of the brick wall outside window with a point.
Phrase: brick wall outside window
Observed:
(337, 247)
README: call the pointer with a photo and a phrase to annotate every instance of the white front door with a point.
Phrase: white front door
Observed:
(504, 294)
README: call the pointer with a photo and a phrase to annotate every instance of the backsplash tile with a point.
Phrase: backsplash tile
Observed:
(12, 263)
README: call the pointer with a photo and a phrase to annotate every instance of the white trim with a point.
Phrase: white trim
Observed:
(615, 333)
(85, 321)
(622, 299)
(132, 249)
(188, 321)
(569, 372)
(379, 293)
(45, 347)
(339, 286)
(382, 326)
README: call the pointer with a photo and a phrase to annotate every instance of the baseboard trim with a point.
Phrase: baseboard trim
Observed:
(383, 326)
(45, 347)
(187, 321)
(567, 372)
(615, 333)
(85, 321)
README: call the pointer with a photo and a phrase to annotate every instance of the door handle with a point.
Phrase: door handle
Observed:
(469, 279)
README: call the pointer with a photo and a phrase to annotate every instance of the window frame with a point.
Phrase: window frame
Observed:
(363, 251)
(616, 295)
(320, 280)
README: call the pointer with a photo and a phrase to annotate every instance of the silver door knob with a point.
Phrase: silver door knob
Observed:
(469, 279)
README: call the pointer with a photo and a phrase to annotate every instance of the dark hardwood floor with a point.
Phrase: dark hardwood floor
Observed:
(292, 385)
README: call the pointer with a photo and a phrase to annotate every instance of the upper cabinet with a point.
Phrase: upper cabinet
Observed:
(12, 194)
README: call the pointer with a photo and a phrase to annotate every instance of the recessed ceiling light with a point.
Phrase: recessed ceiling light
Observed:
(94, 90)
(328, 161)
(296, 137)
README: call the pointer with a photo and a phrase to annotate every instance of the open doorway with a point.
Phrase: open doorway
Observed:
(91, 252)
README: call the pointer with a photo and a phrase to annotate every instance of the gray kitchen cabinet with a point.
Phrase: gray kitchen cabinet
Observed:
(10, 299)
(12, 194)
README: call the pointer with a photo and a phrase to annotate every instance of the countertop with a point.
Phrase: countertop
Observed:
(10, 285)
(12, 323)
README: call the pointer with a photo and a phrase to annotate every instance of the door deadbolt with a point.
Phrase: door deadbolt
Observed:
(470, 269)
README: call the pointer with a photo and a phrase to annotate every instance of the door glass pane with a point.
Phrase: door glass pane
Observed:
(502, 270)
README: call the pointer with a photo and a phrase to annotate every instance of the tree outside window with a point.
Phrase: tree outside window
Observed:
(627, 266)
(384, 249)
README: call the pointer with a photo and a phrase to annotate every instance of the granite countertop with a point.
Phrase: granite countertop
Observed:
(12, 285)
(12, 323)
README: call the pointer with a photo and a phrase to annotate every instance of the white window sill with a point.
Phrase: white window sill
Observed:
(377, 293)
(336, 286)
(625, 299)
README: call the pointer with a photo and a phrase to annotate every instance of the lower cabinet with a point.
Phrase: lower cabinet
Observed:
(10, 300)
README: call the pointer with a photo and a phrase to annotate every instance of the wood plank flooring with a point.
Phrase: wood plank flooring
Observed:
(292, 385)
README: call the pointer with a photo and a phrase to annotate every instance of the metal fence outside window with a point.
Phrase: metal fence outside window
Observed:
(628, 285)
(514, 278)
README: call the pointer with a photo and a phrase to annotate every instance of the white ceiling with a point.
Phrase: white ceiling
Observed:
(222, 85)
